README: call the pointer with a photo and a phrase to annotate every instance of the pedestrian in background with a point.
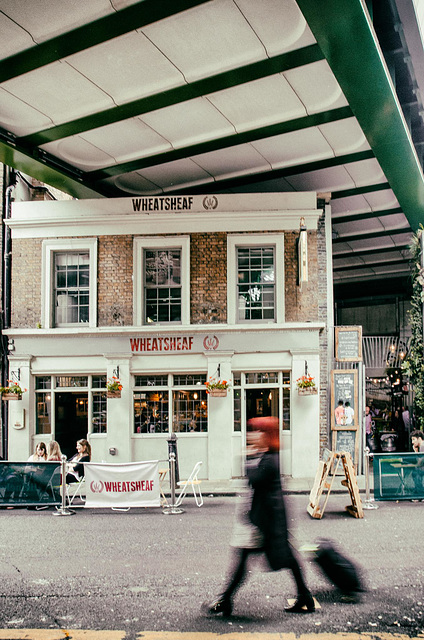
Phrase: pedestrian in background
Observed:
(267, 513)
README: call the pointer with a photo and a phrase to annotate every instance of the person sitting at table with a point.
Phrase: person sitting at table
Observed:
(40, 453)
(54, 453)
(75, 470)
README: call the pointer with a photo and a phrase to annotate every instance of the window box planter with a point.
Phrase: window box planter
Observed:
(11, 396)
(308, 391)
(113, 394)
(218, 393)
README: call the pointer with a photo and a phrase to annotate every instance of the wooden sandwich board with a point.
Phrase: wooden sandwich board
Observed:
(324, 480)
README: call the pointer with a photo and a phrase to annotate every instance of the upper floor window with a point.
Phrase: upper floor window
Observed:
(255, 278)
(69, 277)
(161, 280)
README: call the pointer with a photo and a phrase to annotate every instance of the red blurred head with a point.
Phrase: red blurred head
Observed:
(269, 426)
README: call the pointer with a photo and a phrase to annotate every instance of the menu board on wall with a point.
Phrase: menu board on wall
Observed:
(348, 344)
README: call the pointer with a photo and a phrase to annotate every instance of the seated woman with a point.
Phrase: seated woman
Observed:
(40, 453)
(54, 453)
(76, 463)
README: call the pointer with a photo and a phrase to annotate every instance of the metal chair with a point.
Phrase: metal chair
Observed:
(193, 482)
(71, 495)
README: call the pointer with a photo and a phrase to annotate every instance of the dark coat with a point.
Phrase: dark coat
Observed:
(268, 511)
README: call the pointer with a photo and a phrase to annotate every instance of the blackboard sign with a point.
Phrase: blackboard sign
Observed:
(345, 441)
(344, 399)
(348, 344)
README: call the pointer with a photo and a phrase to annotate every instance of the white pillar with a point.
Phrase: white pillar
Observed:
(220, 420)
(119, 412)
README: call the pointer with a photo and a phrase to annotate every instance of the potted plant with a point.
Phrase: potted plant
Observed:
(113, 387)
(216, 387)
(12, 392)
(306, 386)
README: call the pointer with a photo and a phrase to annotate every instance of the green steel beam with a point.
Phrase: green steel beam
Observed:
(371, 236)
(89, 35)
(365, 216)
(345, 35)
(55, 177)
(222, 143)
(358, 191)
(218, 82)
(371, 265)
(275, 174)
(368, 252)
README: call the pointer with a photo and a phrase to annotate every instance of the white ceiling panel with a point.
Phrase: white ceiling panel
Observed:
(366, 172)
(122, 141)
(134, 183)
(332, 179)
(297, 147)
(360, 226)
(207, 40)
(19, 117)
(395, 221)
(59, 91)
(349, 205)
(127, 68)
(381, 199)
(344, 136)
(80, 153)
(259, 103)
(316, 86)
(12, 37)
(279, 24)
(45, 20)
(180, 173)
(381, 242)
(234, 161)
(189, 122)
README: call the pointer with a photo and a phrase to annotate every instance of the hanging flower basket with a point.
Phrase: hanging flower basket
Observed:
(308, 391)
(113, 388)
(216, 387)
(11, 396)
(13, 392)
(113, 394)
(218, 393)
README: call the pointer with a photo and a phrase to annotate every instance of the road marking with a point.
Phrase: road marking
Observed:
(60, 634)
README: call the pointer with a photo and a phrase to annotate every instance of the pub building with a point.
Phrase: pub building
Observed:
(166, 294)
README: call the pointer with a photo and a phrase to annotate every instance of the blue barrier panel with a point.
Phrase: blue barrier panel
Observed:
(398, 476)
(30, 484)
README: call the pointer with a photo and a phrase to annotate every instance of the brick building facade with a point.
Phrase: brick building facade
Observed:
(262, 336)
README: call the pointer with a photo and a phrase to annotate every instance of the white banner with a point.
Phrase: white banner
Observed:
(132, 484)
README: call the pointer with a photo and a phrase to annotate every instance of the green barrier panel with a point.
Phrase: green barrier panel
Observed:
(398, 476)
(29, 484)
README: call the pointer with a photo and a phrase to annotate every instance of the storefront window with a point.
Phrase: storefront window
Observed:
(162, 285)
(265, 393)
(43, 416)
(71, 381)
(99, 408)
(256, 283)
(71, 288)
(152, 404)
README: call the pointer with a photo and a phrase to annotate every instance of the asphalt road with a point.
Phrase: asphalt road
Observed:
(145, 571)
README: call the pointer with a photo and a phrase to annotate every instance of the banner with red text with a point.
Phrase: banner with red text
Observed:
(132, 484)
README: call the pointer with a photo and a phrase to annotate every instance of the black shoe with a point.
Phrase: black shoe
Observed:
(302, 601)
(219, 605)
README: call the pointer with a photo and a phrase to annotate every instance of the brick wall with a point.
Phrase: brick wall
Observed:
(26, 283)
(114, 278)
(300, 306)
(208, 278)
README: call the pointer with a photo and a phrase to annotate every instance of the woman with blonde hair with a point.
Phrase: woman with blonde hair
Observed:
(54, 453)
(76, 463)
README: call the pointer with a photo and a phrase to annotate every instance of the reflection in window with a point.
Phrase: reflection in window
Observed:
(151, 414)
(99, 419)
(43, 418)
(162, 285)
(190, 411)
(71, 288)
(256, 283)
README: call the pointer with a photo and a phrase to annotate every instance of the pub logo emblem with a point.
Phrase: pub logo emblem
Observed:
(210, 343)
(210, 202)
(96, 486)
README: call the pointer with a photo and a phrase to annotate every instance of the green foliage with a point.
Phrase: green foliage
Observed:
(413, 366)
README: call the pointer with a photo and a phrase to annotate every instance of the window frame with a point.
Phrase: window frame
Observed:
(142, 243)
(67, 245)
(234, 241)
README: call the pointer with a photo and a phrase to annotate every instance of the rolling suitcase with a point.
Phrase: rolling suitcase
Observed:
(341, 571)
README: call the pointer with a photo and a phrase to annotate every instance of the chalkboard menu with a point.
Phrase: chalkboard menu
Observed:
(346, 441)
(348, 344)
(344, 399)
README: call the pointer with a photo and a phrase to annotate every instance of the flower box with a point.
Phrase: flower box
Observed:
(11, 396)
(308, 391)
(218, 393)
(113, 394)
